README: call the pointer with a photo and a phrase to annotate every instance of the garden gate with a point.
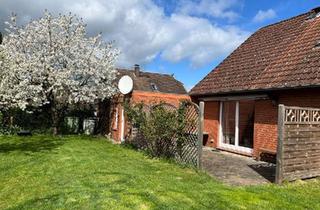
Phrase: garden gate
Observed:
(298, 152)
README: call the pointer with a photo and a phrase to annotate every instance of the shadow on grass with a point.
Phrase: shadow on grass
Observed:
(118, 195)
(31, 145)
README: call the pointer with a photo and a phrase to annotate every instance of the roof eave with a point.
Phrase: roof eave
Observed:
(249, 91)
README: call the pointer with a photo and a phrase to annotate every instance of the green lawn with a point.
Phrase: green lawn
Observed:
(74, 172)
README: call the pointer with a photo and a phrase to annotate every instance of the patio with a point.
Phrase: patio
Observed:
(235, 169)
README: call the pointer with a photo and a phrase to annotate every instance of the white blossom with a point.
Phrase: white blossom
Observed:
(52, 60)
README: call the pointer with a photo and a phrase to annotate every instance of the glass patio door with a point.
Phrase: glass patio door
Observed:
(236, 125)
(229, 122)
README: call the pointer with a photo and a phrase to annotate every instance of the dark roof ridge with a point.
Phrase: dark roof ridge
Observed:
(148, 72)
(165, 83)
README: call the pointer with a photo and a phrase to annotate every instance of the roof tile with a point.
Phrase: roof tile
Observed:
(278, 56)
(165, 83)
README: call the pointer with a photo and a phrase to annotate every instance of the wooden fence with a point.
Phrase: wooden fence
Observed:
(298, 153)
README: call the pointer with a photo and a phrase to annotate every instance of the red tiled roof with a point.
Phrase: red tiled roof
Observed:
(165, 83)
(278, 56)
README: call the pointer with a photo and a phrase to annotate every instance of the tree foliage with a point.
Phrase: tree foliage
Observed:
(52, 61)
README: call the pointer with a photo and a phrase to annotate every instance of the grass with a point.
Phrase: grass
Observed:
(77, 172)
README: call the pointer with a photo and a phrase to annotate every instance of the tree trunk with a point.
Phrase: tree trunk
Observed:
(57, 115)
(103, 123)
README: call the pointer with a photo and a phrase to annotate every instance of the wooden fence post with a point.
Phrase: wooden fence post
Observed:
(281, 120)
(200, 132)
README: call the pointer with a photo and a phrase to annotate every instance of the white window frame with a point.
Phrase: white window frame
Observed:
(154, 87)
(235, 147)
(122, 125)
(116, 120)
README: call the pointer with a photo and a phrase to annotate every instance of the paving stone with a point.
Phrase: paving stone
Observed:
(235, 169)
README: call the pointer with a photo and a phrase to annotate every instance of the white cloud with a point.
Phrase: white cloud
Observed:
(142, 30)
(199, 41)
(212, 8)
(264, 15)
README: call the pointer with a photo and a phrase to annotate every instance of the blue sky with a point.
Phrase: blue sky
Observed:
(187, 38)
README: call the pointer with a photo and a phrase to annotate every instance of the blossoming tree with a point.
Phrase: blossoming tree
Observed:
(51, 61)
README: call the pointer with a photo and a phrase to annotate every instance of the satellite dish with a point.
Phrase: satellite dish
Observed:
(125, 84)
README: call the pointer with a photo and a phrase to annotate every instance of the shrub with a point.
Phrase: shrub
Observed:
(7, 129)
(161, 130)
(38, 120)
(12, 130)
(35, 120)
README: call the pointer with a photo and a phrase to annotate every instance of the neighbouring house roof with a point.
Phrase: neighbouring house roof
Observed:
(284, 55)
(153, 82)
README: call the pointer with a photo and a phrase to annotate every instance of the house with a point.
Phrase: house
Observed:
(148, 88)
(278, 64)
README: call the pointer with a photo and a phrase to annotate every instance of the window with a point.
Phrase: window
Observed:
(237, 125)
(228, 122)
(317, 45)
(116, 119)
(246, 123)
(154, 87)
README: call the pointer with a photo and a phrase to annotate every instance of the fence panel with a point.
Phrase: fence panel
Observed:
(298, 155)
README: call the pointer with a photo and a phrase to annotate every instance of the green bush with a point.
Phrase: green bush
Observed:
(38, 120)
(35, 120)
(12, 130)
(7, 129)
(161, 131)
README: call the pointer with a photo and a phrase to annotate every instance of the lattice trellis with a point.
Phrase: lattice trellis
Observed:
(185, 151)
(168, 107)
(302, 115)
(188, 152)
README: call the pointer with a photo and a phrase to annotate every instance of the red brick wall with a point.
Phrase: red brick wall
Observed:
(266, 115)
(156, 97)
(211, 122)
(265, 126)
